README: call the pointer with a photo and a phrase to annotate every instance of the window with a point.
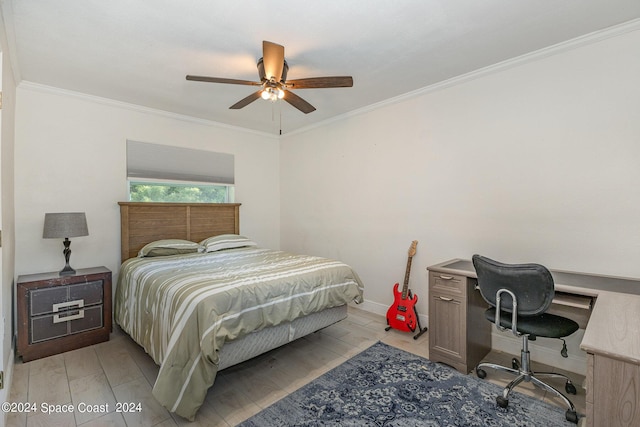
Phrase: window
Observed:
(161, 173)
(195, 192)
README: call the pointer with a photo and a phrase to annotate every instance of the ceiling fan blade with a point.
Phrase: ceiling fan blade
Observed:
(320, 82)
(298, 102)
(222, 80)
(261, 72)
(246, 101)
(273, 58)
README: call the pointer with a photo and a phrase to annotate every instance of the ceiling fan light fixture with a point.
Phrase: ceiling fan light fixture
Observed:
(271, 93)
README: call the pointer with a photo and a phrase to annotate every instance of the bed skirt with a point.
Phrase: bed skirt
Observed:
(256, 343)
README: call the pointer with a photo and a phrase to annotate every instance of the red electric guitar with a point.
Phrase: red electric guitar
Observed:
(402, 314)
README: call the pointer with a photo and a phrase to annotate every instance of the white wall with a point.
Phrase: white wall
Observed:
(7, 213)
(70, 156)
(538, 162)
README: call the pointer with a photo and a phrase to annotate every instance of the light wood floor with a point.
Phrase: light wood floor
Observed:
(120, 371)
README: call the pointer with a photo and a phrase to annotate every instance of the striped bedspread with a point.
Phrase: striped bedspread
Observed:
(182, 309)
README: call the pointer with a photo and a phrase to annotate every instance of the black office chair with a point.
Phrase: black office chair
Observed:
(522, 293)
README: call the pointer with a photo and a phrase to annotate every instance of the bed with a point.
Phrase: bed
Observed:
(211, 298)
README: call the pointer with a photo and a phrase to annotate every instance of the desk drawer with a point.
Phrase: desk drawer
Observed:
(448, 283)
(56, 325)
(575, 307)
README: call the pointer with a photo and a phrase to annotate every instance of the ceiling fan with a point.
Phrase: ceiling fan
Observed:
(272, 69)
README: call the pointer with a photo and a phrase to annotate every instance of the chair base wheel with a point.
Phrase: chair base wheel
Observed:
(481, 373)
(570, 388)
(571, 416)
(503, 403)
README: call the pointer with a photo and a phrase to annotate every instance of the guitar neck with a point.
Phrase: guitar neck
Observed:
(405, 287)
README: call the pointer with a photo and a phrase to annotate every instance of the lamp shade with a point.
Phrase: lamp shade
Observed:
(66, 224)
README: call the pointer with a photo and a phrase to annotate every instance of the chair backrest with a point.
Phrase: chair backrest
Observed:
(532, 284)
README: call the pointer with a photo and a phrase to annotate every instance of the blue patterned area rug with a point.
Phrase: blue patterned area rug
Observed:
(386, 386)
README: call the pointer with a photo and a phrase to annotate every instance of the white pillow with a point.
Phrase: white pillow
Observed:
(169, 247)
(226, 241)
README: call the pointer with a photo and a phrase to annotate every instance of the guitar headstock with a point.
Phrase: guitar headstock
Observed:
(412, 248)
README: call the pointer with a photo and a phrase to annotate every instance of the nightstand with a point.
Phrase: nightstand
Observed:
(61, 313)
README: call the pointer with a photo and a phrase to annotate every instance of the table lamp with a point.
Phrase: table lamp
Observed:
(66, 224)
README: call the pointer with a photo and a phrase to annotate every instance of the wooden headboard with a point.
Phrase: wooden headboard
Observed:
(142, 223)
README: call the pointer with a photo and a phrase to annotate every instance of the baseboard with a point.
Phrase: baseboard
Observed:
(381, 309)
(373, 307)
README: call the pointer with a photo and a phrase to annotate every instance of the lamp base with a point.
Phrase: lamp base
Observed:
(67, 271)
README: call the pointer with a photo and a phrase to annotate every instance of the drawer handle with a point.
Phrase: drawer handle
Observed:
(78, 302)
(446, 299)
(58, 319)
(443, 277)
(57, 307)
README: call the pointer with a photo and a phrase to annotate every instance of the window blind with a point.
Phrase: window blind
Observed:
(169, 163)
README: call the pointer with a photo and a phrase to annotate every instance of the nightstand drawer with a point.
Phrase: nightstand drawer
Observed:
(57, 325)
(51, 300)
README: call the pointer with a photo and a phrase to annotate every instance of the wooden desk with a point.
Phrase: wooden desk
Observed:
(611, 339)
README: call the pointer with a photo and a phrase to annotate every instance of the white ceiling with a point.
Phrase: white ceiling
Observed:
(139, 51)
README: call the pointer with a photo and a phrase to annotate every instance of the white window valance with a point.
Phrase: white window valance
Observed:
(169, 163)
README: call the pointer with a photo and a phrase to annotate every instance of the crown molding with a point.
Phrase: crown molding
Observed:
(37, 87)
(558, 48)
(580, 41)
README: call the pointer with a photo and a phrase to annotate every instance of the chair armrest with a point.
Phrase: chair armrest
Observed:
(514, 314)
